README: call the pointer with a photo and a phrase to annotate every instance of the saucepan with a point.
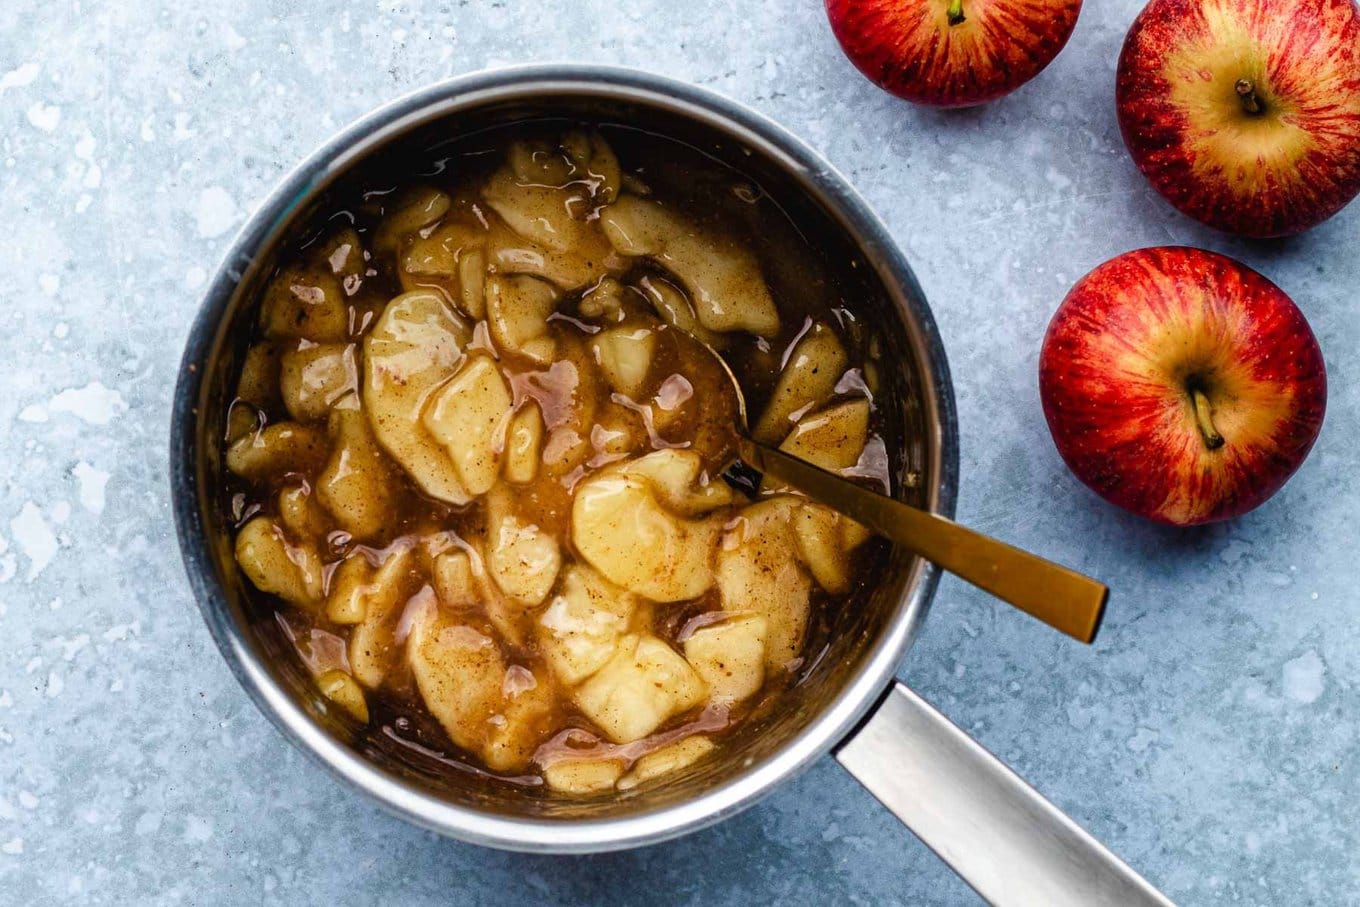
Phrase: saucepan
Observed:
(1009, 843)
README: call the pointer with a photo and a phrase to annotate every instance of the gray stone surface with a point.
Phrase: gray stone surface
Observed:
(1210, 737)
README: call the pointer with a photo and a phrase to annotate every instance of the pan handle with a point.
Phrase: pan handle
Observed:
(1000, 835)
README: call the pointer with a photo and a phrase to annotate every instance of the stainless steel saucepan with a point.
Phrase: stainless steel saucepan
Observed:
(1011, 845)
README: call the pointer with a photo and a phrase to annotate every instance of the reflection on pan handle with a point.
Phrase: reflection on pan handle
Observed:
(1000, 835)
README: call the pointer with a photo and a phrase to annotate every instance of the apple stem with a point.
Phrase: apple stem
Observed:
(1251, 101)
(955, 13)
(1204, 415)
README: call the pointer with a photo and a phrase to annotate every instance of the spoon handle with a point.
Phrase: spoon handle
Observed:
(1062, 598)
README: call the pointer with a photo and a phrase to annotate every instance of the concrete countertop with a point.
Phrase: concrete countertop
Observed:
(1209, 738)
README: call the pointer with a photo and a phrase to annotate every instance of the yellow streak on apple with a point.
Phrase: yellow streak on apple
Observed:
(1202, 73)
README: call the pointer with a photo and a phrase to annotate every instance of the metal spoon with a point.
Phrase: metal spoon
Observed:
(1060, 597)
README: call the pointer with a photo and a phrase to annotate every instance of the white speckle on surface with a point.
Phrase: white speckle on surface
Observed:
(13, 847)
(49, 284)
(182, 130)
(55, 684)
(34, 664)
(6, 700)
(1305, 677)
(35, 538)
(61, 330)
(34, 412)
(120, 632)
(92, 481)
(194, 277)
(216, 212)
(197, 829)
(94, 403)
(19, 77)
(60, 513)
(232, 38)
(84, 151)
(1142, 739)
(70, 648)
(44, 116)
(27, 800)
(85, 146)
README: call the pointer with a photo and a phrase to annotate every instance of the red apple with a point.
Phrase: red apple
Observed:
(1181, 385)
(952, 53)
(1245, 114)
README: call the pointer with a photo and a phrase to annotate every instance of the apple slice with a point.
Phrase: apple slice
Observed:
(722, 276)
(350, 584)
(552, 216)
(373, 647)
(305, 303)
(415, 347)
(521, 557)
(469, 416)
(642, 685)
(517, 310)
(579, 777)
(343, 253)
(356, 486)
(580, 629)
(730, 656)
(278, 449)
(340, 688)
(451, 258)
(674, 308)
(524, 444)
(670, 758)
(278, 566)
(455, 582)
(822, 547)
(493, 709)
(313, 378)
(625, 356)
(463, 585)
(832, 438)
(639, 524)
(758, 572)
(259, 381)
(808, 379)
(300, 515)
(417, 208)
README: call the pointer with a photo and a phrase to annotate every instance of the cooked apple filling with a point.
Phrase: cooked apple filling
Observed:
(479, 468)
